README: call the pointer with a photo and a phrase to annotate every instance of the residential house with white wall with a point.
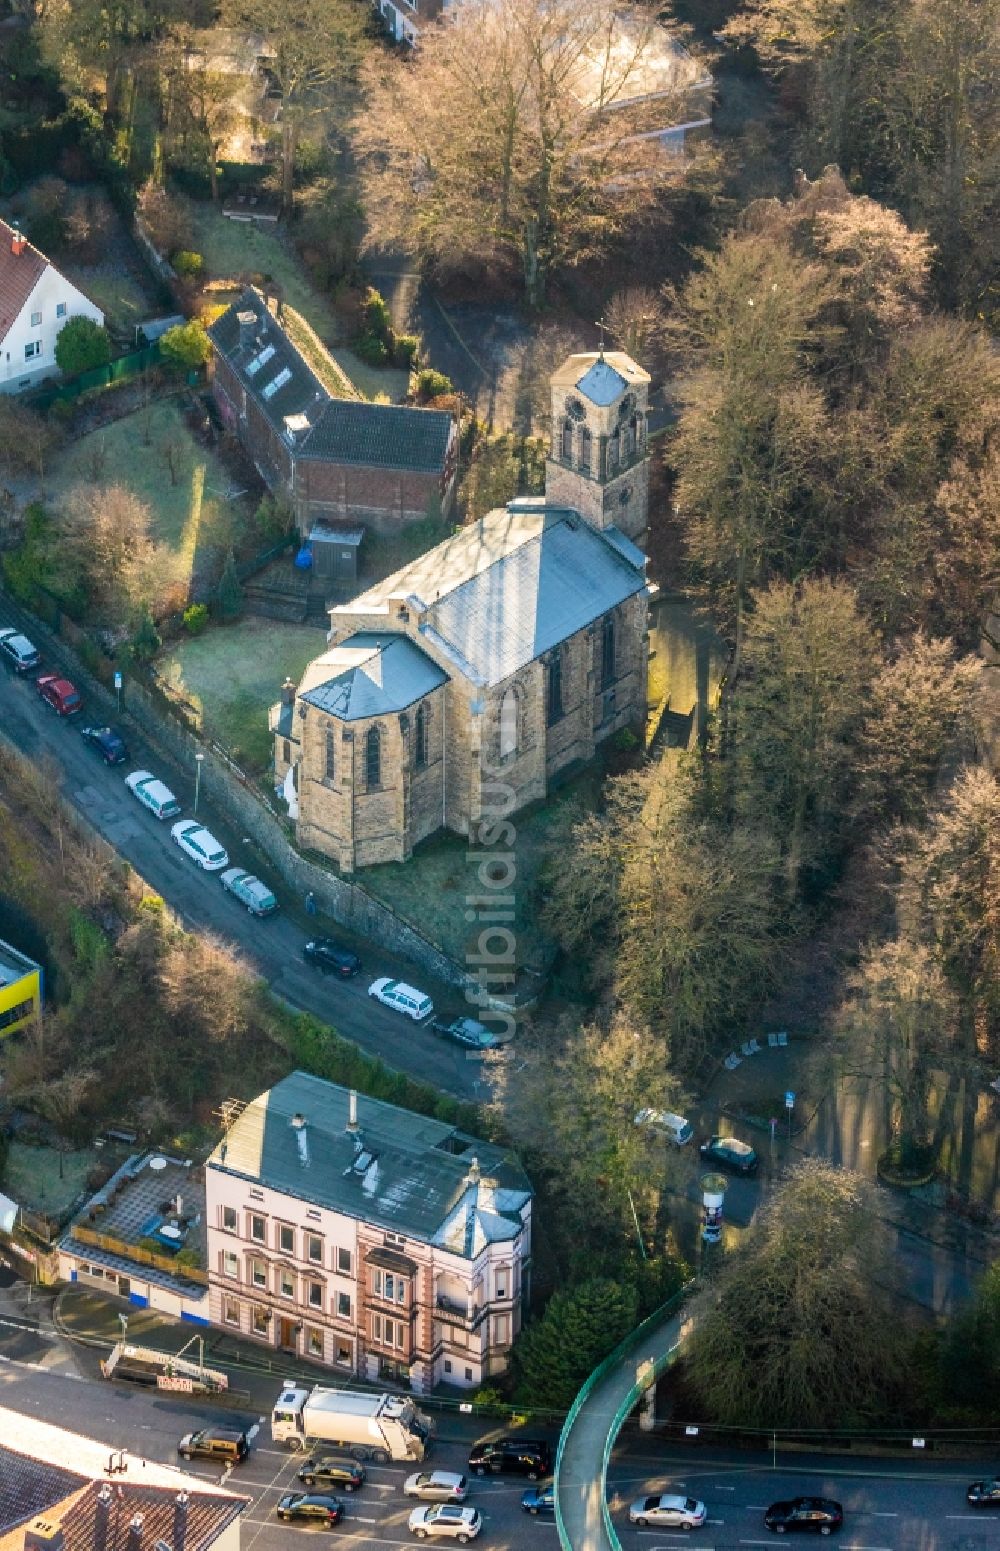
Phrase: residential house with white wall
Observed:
(36, 301)
(384, 1244)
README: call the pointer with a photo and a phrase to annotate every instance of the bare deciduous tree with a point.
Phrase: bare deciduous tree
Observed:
(504, 140)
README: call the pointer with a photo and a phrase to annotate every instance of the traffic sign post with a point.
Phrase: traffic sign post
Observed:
(789, 1106)
(118, 691)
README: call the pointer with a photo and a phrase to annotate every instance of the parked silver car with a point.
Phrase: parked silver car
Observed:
(437, 1486)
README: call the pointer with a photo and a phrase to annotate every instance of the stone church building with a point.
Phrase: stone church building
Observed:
(495, 661)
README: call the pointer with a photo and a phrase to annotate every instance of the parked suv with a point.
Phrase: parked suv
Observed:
(517, 1456)
(21, 653)
(223, 1443)
(402, 998)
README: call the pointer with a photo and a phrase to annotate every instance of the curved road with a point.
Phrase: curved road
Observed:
(594, 1422)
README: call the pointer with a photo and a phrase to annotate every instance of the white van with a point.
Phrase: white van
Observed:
(402, 998)
(159, 799)
(674, 1127)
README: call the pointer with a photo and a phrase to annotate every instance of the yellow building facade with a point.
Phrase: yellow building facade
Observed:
(20, 990)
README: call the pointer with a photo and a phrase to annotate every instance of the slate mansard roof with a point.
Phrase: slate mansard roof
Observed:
(370, 675)
(510, 587)
(270, 368)
(400, 1171)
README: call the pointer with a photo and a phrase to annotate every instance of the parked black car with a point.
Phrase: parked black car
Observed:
(518, 1456)
(330, 958)
(311, 1508)
(345, 1473)
(729, 1153)
(106, 741)
(984, 1494)
(820, 1514)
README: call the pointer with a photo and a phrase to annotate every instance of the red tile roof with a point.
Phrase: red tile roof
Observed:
(19, 274)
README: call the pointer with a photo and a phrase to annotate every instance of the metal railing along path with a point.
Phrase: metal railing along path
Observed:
(595, 1419)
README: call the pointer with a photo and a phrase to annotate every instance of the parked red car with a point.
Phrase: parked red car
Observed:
(60, 694)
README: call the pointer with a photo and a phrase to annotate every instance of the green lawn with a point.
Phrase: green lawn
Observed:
(430, 890)
(154, 454)
(233, 673)
(36, 1178)
(240, 250)
(119, 296)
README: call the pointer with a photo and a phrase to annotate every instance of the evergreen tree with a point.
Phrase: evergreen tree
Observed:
(556, 1354)
(230, 592)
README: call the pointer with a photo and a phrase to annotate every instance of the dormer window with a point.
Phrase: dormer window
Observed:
(254, 366)
(271, 388)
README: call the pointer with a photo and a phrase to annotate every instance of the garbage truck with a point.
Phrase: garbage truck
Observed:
(379, 1428)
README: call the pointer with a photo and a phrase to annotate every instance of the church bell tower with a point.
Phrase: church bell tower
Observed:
(598, 461)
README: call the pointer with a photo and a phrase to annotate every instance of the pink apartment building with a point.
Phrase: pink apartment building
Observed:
(380, 1242)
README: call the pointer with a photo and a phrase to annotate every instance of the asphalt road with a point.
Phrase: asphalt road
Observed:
(273, 947)
(889, 1506)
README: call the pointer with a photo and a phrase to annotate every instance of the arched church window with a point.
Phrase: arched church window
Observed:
(508, 724)
(607, 650)
(331, 759)
(614, 448)
(373, 757)
(586, 442)
(420, 737)
(567, 441)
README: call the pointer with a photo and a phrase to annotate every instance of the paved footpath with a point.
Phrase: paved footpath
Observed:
(590, 1435)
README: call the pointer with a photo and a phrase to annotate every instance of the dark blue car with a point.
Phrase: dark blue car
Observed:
(107, 742)
(539, 1499)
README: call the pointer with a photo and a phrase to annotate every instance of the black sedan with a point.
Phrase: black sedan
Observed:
(310, 1508)
(984, 1494)
(820, 1514)
(106, 741)
(345, 1473)
(729, 1153)
(330, 958)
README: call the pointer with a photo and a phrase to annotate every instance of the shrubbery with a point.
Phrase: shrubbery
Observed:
(82, 344)
(196, 618)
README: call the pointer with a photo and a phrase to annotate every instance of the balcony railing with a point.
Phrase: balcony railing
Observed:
(454, 1309)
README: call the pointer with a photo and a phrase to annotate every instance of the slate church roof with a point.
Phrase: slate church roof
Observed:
(284, 386)
(370, 675)
(510, 587)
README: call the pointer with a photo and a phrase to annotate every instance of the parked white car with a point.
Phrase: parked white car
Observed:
(159, 799)
(674, 1127)
(199, 845)
(448, 1521)
(402, 998)
(668, 1512)
(21, 653)
(250, 891)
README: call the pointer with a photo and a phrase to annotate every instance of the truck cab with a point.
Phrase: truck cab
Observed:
(286, 1418)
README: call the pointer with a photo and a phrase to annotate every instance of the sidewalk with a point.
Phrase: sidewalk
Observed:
(581, 1475)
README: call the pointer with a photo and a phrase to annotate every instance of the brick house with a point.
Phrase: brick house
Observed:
(340, 463)
(382, 1243)
(494, 662)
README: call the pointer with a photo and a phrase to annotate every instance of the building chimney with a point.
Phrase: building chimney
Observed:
(298, 1123)
(102, 1516)
(180, 1520)
(134, 1542)
(17, 240)
(288, 692)
(472, 1178)
(248, 328)
(352, 1113)
(178, 1204)
(43, 1535)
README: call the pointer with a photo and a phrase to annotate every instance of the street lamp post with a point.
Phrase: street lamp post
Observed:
(199, 761)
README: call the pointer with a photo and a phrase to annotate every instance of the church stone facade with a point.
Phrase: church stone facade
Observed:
(491, 664)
